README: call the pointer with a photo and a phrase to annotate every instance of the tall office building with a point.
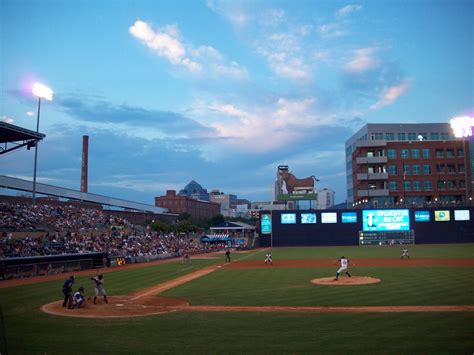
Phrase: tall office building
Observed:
(407, 164)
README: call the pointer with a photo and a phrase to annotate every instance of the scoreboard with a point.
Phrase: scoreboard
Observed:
(387, 237)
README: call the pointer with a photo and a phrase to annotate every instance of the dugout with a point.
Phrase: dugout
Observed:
(342, 227)
(49, 265)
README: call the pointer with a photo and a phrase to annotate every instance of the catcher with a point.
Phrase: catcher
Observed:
(79, 298)
(99, 288)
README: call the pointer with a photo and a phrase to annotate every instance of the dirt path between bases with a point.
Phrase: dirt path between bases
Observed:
(147, 302)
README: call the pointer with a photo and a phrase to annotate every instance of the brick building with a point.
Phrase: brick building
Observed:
(408, 164)
(198, 209)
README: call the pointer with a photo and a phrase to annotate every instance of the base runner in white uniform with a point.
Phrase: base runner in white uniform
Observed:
(268, 259)
(344, 267)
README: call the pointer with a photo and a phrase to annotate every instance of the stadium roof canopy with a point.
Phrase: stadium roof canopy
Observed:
(233, 226)
(14, 137)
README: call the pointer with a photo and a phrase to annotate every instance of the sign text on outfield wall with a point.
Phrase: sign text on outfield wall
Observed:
(386, 220)
(266, 224)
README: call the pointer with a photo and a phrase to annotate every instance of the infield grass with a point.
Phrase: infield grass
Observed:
(28, 330)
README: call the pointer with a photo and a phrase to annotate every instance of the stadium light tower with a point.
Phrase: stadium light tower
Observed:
(41, 92)
(462, 128)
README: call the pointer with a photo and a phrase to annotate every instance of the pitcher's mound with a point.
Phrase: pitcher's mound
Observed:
(344, 281)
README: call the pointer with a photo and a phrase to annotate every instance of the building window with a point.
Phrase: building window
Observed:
(412, 136)
(415, 153)
(461, 168)
(462, 184)
(406, 186)
(401, 136)
(439, 153)
(428, 185)
(405, 153)
(426, 153)
(441, 184)
(424, 135)
(390, 136)
(392, 170)
(416, 185)
(392, 153)
(406, 169)
(393, 186)
(449, 153)
(434, 136)
(461, 153)
(439, 168)
(445, 136)
(451, 168)
(451, 184)
(416, 169)
(376, 136)
(427, 169)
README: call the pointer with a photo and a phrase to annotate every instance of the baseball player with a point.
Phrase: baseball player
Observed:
(344, 267)
(79, 298)
(186, 259)
(268, 259)
(227, 256)
(405, 253)
(67, 291)
(99, 287)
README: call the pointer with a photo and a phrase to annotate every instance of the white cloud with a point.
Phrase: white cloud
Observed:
(283, 53)
(331, 30)
(286, 121)
(346, 10)
(233, 11)
(165, 44)
(362, 61)
(7, 119)
(273, 17)
(391, 94)
(202, 60)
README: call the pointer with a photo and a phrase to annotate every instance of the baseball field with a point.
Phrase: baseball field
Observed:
(424, 305)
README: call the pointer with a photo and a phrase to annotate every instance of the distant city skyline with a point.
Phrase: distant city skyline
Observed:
(223, 92)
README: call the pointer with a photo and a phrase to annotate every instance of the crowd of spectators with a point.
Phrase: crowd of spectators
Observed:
(72, 230)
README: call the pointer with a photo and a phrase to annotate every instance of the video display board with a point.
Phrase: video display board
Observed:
(266, 224)
(288, 218)
(349, 217)
(442, 216)
(422, 216)
(328, 217)
(386, 220)
(462, 215)
(308, 218)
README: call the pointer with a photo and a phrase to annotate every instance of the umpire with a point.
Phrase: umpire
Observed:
(67, 291)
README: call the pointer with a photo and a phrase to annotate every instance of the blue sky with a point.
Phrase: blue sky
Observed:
(222, 92)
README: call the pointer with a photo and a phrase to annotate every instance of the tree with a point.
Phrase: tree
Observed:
(217, 219)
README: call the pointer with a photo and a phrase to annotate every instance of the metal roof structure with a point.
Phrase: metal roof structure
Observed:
(50, 190)
(14, 137)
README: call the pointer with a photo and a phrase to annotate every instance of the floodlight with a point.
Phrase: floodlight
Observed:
(42, 91)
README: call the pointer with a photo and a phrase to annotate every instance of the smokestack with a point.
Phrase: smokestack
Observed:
(85, 158)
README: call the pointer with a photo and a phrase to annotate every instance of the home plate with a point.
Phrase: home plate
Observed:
(119, 304)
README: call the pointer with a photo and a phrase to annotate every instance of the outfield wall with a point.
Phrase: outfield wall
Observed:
(306, 227)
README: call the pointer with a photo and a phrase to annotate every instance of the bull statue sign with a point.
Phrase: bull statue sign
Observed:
(293, 183)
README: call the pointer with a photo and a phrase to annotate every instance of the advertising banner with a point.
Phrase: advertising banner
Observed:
(266, 224)
(386, 220)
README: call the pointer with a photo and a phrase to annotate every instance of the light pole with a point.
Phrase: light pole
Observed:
(41, 92)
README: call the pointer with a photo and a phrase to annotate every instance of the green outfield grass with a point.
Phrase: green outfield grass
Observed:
(28, 330)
